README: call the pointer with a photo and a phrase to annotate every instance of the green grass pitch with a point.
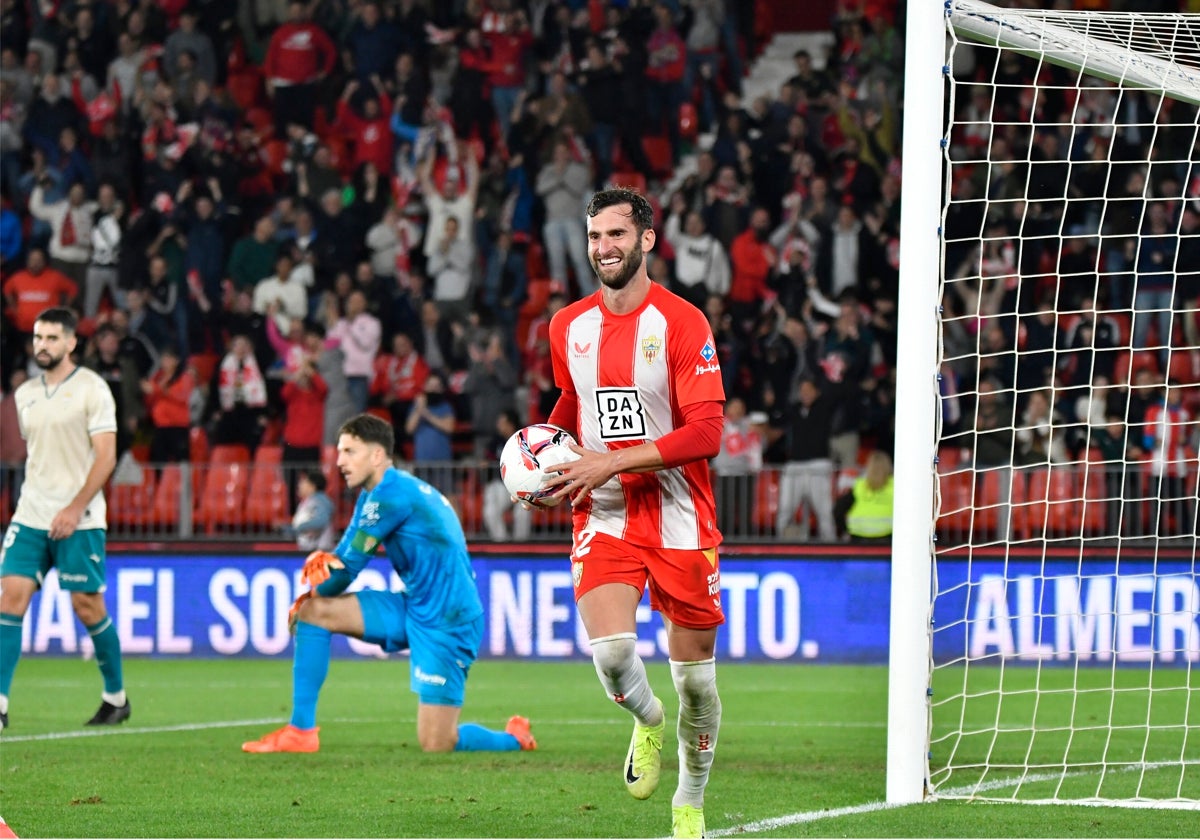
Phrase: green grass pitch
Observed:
(796, 741)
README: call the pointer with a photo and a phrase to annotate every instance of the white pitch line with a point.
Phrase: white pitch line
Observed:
(964, 791)
(231, 724)
(136, 730)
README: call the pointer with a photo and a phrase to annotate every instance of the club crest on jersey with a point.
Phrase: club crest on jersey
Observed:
(651, 346)
(370, 514)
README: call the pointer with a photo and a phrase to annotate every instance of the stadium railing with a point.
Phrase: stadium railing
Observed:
(236, 496)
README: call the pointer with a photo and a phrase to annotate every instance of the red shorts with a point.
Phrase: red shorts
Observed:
(685, 584)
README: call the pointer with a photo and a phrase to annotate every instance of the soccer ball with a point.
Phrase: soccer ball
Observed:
(526, 454)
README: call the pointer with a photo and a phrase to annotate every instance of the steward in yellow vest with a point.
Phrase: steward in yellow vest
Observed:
(869, 517)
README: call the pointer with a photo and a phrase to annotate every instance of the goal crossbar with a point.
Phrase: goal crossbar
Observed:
(1094, 44)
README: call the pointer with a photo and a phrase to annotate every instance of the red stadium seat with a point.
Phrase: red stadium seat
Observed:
(537, 293)
(335, 487)
(766, 501)
(203, 365)
(957, 493)
(470, 503)
(267, 497)
(658, 152)
(1128, 364)
(262, 121)
(130, 505)
(274, 154)
(1054, 507)
(1095, 493)
(535, 260)
(245, 88)
(1185, 366)
(164, 514)
(631, 180)
(689, 121)
(223, 495)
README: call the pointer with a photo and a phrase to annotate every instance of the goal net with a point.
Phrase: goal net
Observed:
(1062, 639)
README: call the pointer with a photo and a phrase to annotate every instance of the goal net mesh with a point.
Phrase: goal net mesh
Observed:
(1065, 626)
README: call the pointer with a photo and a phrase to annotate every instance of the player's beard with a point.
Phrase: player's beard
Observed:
(628, 267)
(46, 361)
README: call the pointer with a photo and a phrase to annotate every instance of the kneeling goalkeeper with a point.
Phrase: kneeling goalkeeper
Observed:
(438, 618)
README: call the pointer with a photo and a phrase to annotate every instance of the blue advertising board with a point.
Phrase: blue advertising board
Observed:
(1092, 611)
(783, 609)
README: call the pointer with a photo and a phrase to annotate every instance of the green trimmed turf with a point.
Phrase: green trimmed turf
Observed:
(794, 739)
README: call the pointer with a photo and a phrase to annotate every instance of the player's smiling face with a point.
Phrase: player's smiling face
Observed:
(614, 246)
(359, 462)
(51, 344)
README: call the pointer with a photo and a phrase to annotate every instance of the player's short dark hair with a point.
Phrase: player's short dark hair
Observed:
(642, 212)
(370, 429)
(60, 315)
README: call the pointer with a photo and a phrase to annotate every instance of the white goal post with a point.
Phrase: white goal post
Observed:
(1045, 597)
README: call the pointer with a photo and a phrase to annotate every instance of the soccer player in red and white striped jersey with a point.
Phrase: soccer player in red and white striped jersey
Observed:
(641, 390)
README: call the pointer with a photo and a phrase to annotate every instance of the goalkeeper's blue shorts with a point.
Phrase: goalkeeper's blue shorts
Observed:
(440, 657)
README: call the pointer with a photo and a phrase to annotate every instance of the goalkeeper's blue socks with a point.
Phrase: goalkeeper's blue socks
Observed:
(10, 650)
(474, 738)
(108, 656)
(310, 664)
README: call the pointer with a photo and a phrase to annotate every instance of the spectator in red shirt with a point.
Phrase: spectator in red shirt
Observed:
(399, 377)
(38, 287)
(168, 394)
(371, 128)
(299, 56)
(753, 258)
(303, 396)
(510, 39)
(667, 54)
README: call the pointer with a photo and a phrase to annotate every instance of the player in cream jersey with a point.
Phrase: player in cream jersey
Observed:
(68, 419)
(57, 423)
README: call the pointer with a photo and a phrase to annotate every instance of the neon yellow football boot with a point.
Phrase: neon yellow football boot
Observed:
(687, 821)
(643, 763)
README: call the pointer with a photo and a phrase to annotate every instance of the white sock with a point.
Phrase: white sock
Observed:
(623, 675)
(117, 698)
(699, 721)
(3, 704)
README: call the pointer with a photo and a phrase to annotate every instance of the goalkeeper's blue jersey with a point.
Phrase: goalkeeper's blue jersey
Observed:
(422, 537)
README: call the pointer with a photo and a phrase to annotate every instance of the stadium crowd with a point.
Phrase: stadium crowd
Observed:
(272, 215)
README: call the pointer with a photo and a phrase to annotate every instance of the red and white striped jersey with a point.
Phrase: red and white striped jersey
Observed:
(1167, 427)
(631, 375)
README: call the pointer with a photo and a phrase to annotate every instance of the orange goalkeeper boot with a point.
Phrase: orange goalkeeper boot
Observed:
(518, 727)
(289, 739)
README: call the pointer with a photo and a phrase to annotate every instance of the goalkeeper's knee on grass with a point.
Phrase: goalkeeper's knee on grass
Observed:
(623, 676)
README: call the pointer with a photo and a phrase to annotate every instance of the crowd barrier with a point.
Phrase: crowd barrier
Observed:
(236, 495)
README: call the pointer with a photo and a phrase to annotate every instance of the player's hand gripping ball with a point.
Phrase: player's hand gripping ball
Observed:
(524, 459)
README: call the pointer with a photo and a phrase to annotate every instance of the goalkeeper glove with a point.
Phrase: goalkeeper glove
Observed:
(294, 612)
(317, 567)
